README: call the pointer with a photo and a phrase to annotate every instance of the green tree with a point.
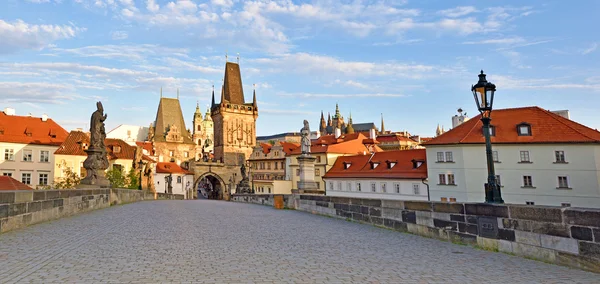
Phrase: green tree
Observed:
(117, 178)
(133, 179)
(69, 180)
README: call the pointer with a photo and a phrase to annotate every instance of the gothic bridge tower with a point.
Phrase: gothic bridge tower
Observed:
(234, 119)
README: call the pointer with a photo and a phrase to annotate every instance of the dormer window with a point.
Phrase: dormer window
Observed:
(524, 129)
(492, 130)
(117, 149)
(374, 165)
(416, 164)
(347, 165)
(391, 164)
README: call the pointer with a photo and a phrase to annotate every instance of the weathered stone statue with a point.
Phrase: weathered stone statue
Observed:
(96, 162)
(149, 178)
(169, 180)
(243, 170)
(305, 142)
(244, 185)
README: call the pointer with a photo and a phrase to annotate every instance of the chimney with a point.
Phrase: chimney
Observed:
(563, 113)
(338, 133)
(79, 129)
(9, 111)
(372, 134)
(29, 115)
(44, 117)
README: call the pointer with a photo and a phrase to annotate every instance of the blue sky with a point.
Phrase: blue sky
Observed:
(413, 61)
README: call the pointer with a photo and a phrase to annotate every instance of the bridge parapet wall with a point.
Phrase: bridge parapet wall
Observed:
(564, 236)
(21, 208)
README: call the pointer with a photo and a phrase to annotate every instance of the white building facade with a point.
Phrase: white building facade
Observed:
(393, 175)
(540, 158)
(129, 133)
(182, 181)
(27, 146)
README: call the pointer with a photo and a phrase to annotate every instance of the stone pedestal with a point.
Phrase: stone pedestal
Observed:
(95, 164)
(307, 173)
(244, 186)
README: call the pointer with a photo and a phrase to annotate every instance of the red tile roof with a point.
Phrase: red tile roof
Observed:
(345, 144)
(30, 130)
(9, 183)
(393, 138)
(360, 165)
(73, 146)
(171, 168)
(546, 127)
(146, 146)
(266, 147)
(288, 147)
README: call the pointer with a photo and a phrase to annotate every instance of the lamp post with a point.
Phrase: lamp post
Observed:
(249, 166)
(140, 164)
(483, 92)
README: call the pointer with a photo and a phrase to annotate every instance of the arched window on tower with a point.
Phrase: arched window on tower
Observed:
(200, 142)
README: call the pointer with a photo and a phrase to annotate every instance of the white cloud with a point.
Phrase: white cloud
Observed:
(191, 66)
(458, 11)
(21, 35)
(119, 35)
(324, 65)
(224, 3)
(351, 83)
(510, 82)
(152, 6)
(35, 92)
(506, 40)
(128, 52)
(590, 49)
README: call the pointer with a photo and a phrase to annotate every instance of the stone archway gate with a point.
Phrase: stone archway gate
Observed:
(227, 175)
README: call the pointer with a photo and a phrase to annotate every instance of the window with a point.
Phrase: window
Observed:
(331, 185)
(416, 189)
(560, 156)
(529, 202)
(498, 180)
(117, 149)
(186, 154)
(563, 182)
(451, 179)
(282, 165)
(9, 154)
(26, 178)
(527, 181)
(318, 159)
(391, 164)
(440, 157)
(374, 165)
(525, 157)
(339, 185)
(171, 153)
(452, 199)
(268, 166)
(358, 186)
(199, 127)
(444, 199)
(449, 157)
(270, 188)
(348, 186)
(7, 174)
(524, 129)
(495, 156)
(383, 185)
(565, 204)
(397, 187)
(179, 179)
(43, 179)
(27, 155)
(442, 178)
(318, 172)
(297, 172)
(128, 133)
(492, 130)
(347, 165)
(44, 156)
(275, 165)
(373, 189)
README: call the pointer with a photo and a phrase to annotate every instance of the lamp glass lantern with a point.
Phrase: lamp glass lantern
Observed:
(483, 92)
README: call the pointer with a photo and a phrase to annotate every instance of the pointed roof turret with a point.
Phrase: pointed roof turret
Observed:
(254, 104)
(169, 117)
(207, 115)
(349, 127)
(337, 111)
(222, 94)
(382, 125)
(213, 96)
(322, 123)
(233, 91)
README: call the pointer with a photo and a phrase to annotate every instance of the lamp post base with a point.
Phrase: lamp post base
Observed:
(492, 194)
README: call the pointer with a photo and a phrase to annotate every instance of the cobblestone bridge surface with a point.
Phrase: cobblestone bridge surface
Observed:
(223, 242)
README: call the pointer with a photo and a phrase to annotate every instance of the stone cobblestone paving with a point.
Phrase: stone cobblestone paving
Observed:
(223, 242)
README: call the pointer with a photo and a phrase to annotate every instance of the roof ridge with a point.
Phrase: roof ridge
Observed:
(555, 117)
(468, 133)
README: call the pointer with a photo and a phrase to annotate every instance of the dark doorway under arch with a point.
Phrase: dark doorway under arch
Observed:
(210, 186)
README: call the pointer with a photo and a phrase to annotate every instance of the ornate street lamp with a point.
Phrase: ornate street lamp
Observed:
(483, 92)
(140, 164)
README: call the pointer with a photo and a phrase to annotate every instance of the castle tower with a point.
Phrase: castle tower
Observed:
(382, 125)
(322, 125)
(198, 131)
(234, 120)
(337, 119)
(172, 142)
(349, 128)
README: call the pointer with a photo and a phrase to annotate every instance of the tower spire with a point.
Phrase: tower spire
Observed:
(213, 96)
(382, 125)
(337, 110)
(254, 96)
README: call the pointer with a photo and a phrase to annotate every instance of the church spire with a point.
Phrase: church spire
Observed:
(337, 111)
(253, 96)
(382, 125)
(322, 124)
(349, 127)
(213, 96)
(329, 119)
